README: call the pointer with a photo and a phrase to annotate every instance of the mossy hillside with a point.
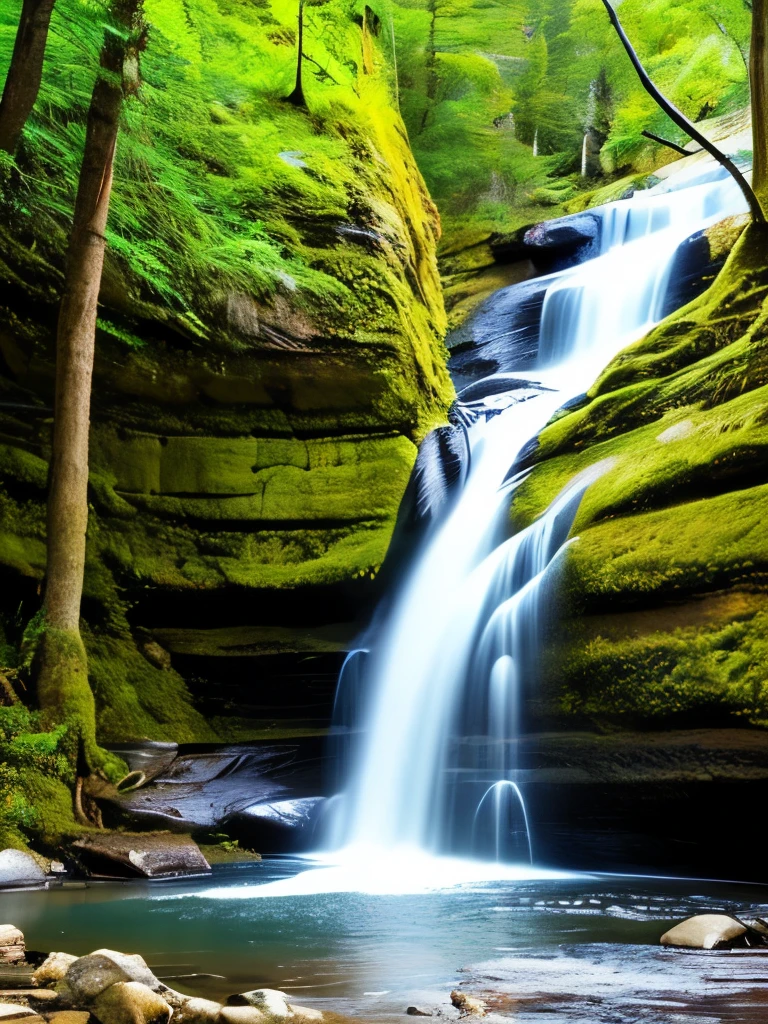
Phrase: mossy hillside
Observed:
(679, 512)
(239, 222)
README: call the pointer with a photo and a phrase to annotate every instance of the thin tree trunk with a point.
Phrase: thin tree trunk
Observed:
(682, 121)
(25, 72)
(63, 673)
(758, 73)
(297, 96)
(431, 90)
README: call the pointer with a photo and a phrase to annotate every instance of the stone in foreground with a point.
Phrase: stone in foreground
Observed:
(130, 1002)
(416, 1011)
(160, 855)
(12, 948)
(53, 969)
(20, 870)
(706, 931)
(91, 975)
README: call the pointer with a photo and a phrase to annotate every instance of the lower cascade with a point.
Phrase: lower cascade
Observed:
(428, 709)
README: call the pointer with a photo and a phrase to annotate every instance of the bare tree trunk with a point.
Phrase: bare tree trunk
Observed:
(297, 96)
(431, 89)
(62, 681)
(758, 73)
(682, 121)
(25, 72)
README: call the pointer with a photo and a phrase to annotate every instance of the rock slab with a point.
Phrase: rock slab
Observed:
(20, 870)
(12, 948)
(158, 855)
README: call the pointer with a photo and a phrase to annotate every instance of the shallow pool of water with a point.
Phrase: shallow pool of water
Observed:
(577, 948)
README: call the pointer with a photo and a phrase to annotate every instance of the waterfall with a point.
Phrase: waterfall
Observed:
(432, 764)
(584, 154)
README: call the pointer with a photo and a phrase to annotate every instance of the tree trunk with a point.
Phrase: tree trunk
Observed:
(62, 682)
(25, 72)
(758, 73)
(431, 85)
(297, 96)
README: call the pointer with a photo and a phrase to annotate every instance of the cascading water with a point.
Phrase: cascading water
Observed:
(438, 689)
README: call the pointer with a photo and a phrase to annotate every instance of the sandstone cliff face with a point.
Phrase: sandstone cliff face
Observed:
(269, 350)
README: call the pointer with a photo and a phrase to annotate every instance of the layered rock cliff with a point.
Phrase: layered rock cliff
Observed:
(269, 348)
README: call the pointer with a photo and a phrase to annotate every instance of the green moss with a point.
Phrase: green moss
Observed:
(687, 675)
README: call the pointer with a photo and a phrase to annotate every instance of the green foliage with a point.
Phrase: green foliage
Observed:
(686, 676)
(494, 79)
(28, 754)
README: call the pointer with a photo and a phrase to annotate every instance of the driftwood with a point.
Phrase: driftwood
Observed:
(683, 122)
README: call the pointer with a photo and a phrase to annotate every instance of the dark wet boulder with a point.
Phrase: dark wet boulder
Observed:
(693, 270)
(203, 790)
(500, 336)
(439, 474)
(279, 826)
(565, 242)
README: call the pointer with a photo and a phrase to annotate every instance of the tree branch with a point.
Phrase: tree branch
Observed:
(682, 121)
(670, 145)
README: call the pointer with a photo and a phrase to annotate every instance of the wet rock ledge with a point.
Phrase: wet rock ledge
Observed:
(117, 988)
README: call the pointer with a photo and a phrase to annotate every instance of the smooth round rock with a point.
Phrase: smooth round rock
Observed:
(705, 931)
(91, 975)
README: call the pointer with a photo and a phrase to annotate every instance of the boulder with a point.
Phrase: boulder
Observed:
(12, 948)
(578, 235)
(416, 1011)
(130, 1002)
(20, 870)
(468, 1005)
(269, 1000)
(197, 1011)
(240, 1015)
(91, 975)
(53, 969)
(149, 855)
(706, 931)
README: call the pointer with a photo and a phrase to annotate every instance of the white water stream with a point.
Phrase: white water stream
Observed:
(454, 653)
(429, 705)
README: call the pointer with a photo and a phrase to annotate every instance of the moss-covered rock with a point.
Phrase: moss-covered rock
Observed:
(678, 516)
(269, 348)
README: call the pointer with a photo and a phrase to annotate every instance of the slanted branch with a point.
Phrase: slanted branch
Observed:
(683, 122)
(669, 144)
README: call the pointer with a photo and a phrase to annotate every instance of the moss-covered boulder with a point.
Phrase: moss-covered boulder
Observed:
(666, 591)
